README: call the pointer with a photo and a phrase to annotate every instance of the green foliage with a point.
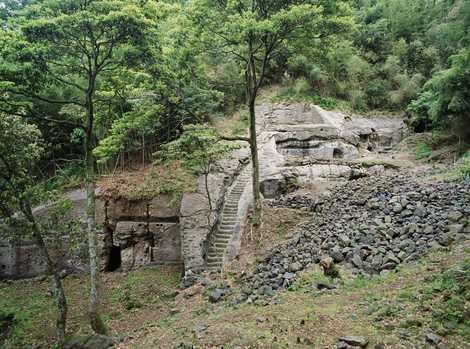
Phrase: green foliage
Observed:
(376, 93)
(67, 177)
(198, 148)
(21, 319)
(446, 100)
(300, 91)
(20, 147)
(422, 151)
(463, 169)
(451, 290)
(124, 294)
(169, 179)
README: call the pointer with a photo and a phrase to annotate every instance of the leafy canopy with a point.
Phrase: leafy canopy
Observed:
(20, 147)
(198, 148)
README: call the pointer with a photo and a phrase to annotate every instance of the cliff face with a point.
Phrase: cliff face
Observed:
(291, 134)
(297, 142)
(138, 232)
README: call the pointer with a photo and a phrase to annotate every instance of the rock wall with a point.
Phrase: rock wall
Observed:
(289, 132)
(138, 232)
(20, 258)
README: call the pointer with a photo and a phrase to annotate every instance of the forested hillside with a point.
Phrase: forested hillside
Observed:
(156, 73)
(199, 133)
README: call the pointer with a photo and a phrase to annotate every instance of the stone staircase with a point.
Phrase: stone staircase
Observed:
(227, 224)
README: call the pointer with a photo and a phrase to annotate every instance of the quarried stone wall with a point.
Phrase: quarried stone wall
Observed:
(138, 232)
(22, 259)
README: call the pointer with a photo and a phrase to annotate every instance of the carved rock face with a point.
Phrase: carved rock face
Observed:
(305, 141)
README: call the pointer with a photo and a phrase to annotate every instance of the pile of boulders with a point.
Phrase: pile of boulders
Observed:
(293, 201)
(373, 224)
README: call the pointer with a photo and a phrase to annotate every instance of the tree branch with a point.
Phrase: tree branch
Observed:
(235, 138)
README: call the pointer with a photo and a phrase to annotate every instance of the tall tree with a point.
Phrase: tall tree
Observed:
(20, 149)
(253, 33)
(72, 44)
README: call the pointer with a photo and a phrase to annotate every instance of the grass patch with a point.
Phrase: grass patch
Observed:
(169, 179)
(299, 92)
(422, 150)
(389, 309)
(128, 302)
(462, 171)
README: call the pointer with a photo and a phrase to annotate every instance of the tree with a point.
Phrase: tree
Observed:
(445, 100)
(71, 45)
(252, 34)
(20, 149)
(198, 148)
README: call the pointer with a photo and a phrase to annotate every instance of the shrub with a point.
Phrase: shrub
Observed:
(376, 93)
(463, 169)
(422, 151)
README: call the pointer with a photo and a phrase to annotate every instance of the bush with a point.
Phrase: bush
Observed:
(357, 99)
(302, 87)
(463, 170)
(376, 93)
(422, 151)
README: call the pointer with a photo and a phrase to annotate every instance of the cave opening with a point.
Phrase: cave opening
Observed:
(337, 153)
(114, 262)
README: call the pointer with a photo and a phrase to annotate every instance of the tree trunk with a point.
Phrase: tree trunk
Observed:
(59, 293)
(255, 162)
(95, 322)
(251, 91)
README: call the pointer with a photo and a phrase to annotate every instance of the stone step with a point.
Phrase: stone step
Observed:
(223, 235)
(234, 197)
(220, 235)
(214, 266)
(229, 219)
(215, 262)
(215, 256)
(217, 250)
(225, 231)
(229, 222)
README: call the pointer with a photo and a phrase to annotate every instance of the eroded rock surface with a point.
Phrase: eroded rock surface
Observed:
(290, 133)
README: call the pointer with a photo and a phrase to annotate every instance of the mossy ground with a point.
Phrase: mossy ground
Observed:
(397, 309)
(144, 309)
(128, 302)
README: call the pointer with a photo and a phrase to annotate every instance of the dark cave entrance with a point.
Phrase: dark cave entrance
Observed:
(114, 262)
(337, 153)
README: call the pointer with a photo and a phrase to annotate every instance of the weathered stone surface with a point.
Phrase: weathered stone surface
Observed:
(356, 341)
(113, 210)
(288, 132)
